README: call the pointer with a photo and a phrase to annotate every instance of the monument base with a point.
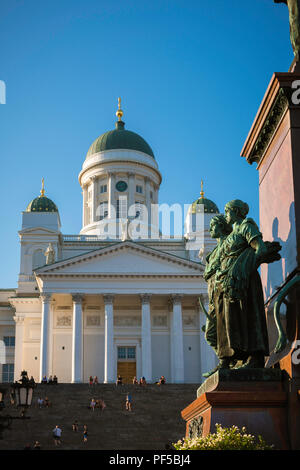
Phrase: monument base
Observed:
(254, 398)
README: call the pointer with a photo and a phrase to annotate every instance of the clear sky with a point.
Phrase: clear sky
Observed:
(191, 76)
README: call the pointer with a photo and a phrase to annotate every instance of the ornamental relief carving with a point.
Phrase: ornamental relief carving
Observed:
(160, 320)
(189, 320)
(195, 428)
(93, 320)
(63, 320)
(121, 320)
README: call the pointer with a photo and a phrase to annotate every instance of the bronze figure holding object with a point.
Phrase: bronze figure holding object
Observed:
(236, 327)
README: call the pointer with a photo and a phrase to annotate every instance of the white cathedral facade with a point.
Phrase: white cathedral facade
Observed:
(118, 298)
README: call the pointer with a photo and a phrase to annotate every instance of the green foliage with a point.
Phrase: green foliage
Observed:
(224, 439)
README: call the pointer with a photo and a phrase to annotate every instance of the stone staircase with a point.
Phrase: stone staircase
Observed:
(155, 419)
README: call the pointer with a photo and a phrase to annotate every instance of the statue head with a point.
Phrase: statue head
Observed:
(236, 210)
(219, 227)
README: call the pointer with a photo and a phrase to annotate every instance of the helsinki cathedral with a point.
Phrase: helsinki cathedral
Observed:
(120, 297)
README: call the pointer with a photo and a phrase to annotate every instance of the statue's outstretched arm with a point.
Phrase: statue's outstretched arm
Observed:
(260, 249)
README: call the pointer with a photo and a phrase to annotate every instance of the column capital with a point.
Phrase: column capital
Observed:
(77, 298)
(176, 298)
(108, 298)
(45, 297)
(131, 175)
(145, 298)
(19, 320)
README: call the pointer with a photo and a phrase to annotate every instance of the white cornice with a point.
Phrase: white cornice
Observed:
(118, 276)
(23, 300)
(127, 245)
(119, 155)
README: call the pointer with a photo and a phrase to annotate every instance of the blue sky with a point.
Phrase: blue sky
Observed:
(191, 76)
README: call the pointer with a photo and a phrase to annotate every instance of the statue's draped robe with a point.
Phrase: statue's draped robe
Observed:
(212, 264)
(239, 302)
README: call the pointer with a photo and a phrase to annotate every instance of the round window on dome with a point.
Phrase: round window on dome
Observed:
(121, 186)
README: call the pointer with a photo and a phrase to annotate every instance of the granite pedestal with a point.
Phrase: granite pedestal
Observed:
(254, 398)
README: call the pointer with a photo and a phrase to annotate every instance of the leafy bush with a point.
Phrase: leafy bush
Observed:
(224, 439)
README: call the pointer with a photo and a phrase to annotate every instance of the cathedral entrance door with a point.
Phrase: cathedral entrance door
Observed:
(126, 363)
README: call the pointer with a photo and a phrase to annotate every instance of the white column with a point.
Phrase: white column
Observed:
(154, 213)
(146, 338)
(77, 343)
(19, 320)
(177, 340)
(131, 190)
(109, 360)
(94, 198)
(147, 196)
(84, 205)
(155, 193)
(44, 345)
(111, 195)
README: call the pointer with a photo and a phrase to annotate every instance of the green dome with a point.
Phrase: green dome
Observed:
(120, 138)
(209, 206)
(41, 204)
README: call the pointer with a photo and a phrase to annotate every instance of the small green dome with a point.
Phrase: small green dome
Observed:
(41, 204)
(209, 206)
(120, 138)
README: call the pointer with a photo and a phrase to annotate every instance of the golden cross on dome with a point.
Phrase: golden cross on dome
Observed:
(201, 192)
(43, 188)
(119, 112)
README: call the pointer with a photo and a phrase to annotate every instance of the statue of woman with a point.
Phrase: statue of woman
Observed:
(219, 229)
(240, 314)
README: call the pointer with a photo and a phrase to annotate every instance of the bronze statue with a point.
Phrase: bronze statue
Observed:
(294, 12)
(219, 230)
(240, 325)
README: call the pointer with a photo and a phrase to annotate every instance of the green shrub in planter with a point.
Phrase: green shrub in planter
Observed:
(224, 439)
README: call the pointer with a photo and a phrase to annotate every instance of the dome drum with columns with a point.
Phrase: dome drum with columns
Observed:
(96, 304)
(119, 173)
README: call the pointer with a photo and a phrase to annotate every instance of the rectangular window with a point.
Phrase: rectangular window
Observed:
(126, 352)
(122, 208)
(139, 189)
(138, 209)
(130, 353)
(7, 372)
(9, 341)
(103, 210)
(121, 353)
(103, 188)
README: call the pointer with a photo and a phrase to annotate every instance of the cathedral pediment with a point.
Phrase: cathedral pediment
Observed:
(123, 259)
(38, 231)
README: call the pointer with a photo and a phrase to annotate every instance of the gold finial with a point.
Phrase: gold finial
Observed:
(119, 112)
(201, 192)
(43, 188)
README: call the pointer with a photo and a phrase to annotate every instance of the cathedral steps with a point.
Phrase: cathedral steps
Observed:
(154, 421)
